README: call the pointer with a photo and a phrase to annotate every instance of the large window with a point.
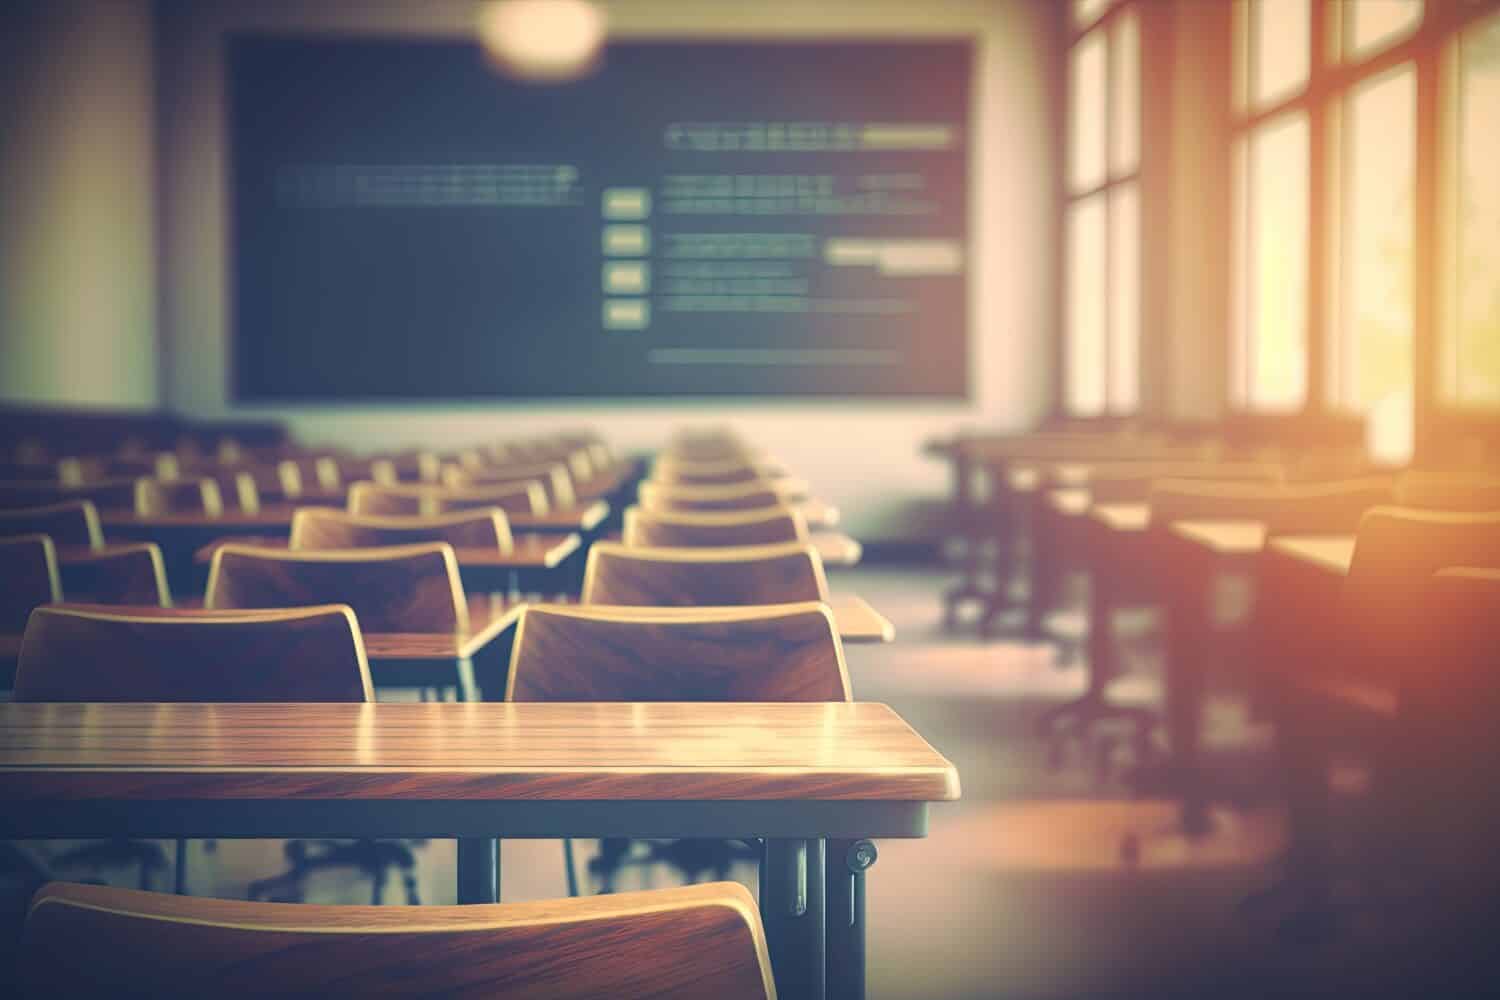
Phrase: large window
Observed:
(1102, 223)
(1333, 99)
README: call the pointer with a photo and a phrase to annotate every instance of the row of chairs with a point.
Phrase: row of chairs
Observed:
(694, 654)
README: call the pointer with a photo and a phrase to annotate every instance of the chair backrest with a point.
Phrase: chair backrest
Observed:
(1298, 508)
(1440, 491)
(155, 497)
(657, 496)
(678, 529)
(689, 577)
(97, 653)
(787, 652)
(238, 486)
(28, 569)
(553, 476)
(105, 495)
(70, 524)
(690, 942)
(120, 574)
(1396, 552)
(325, 528)
(412, 588)
(513, 498)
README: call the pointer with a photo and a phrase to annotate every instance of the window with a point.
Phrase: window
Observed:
(1102, 217)
(1469, 272)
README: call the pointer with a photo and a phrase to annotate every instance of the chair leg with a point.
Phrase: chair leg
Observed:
(179, 875)
(568, 865)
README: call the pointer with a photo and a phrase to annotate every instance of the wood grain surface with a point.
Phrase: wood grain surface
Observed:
(676, 529)
(72, 523)
(687, 577)
(684, 943)
(471, 750)
(530, 550)
(313, 528)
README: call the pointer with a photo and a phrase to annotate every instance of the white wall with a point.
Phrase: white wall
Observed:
(862, 456)
(77, 204)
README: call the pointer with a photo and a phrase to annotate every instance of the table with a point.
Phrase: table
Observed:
(835, 548)
(858, 622)
(814, 780)
(484, 570)
(817, 513)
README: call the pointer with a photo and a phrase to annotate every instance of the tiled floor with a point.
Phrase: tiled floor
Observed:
(1042, 882)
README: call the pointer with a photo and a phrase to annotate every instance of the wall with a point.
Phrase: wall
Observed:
(77, 203)
(862, 456)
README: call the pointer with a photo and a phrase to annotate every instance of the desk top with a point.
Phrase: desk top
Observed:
(835, 548)
(531, 550)
(1332, 553)
(857, 621)
(467, 751)
(1122, 516)
(1071, 502)
(817, 513)
(278, 517)
(1228, 537)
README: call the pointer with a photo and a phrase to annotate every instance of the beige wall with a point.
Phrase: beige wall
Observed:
(77, 203)
(861, 456)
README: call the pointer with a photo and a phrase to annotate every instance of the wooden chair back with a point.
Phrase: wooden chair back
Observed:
(1396, 552)
(239, 487)
(678, 944)
(119, 574)
(1297, 508)
(412, 588)
(517, 498)
(156, 497)
(691, 529)
(70, 524)
(98, 653)
(758, 574)
(28, 569)
(1440, 491)
(325, 528)
(106, 495)
(660, 497)
(788, 652)
(554, 477)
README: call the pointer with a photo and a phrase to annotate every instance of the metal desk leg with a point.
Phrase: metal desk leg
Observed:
(791, 907)
(478, 870)
(848, 861)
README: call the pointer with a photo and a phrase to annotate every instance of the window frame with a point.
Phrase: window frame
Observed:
(1073, 34)
(1332, 78)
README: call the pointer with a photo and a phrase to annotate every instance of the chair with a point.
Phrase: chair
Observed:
(789, 652)
(553, 476)
(70, 524)
(28, 565)
(95, 653)
(1380, 646)
(106, 495)
(660, 497)
(687, 529)
(405, 499)
(158, 497)
(323, 528)
(659, 577)
(1443, 491)
(411, 588)
(686, 943)
(716, 473)
(119, 574)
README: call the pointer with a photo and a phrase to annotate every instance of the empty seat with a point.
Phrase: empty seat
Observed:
(28, 567)
(70, 524)
(413, 588)
(554, 477)
(321, 528)
(767, 526)
(515, 498)
(761, 574)
(118, 574)
(660, 497)
(158, 497)
(688, 943)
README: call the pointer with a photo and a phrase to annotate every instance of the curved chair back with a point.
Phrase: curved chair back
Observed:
(118, 574)
(789, 652)
(325, 528)
(70, 524)
(696, 941)
(154, 497)
(660, 497)
(691, 529)
(554, 477)
(28, 567)
(413, 588)
(97, 653)
(513, 498)
(756, 574)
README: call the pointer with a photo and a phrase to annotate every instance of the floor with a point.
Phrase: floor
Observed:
(1044, 881)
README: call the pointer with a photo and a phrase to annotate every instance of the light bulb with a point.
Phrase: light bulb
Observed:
(542, 40)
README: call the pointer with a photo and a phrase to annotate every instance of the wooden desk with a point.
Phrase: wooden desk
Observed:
(836, 549)
(1329, 554)
(1122, 517)
(858, 622)
(817, 513)
(484, 570)
(1225, 538)
(812, 779)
